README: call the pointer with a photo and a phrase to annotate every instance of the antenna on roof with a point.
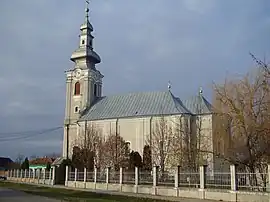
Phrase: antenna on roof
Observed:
(169, 85)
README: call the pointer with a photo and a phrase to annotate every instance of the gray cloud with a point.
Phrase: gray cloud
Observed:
(142, 46)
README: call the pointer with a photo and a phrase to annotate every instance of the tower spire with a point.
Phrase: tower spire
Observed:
(85, 54)
(87, 10)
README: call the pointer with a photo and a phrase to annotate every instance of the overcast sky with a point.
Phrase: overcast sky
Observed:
(142, 44)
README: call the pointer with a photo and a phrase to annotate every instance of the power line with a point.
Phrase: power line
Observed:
(25, 132)
(29, 136)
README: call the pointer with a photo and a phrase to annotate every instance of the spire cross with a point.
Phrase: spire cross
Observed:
(87, 8)
(200, 91)
(169, 85)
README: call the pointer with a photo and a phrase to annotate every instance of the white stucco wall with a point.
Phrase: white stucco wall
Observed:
(136, 130)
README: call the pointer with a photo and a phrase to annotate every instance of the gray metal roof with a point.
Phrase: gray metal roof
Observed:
(135, 104)
(198, 105)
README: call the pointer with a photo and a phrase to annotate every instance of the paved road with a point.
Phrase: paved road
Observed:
(8, 195)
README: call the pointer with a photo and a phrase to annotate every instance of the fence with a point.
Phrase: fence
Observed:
(258, 182)
(220, 186)
(32, 176)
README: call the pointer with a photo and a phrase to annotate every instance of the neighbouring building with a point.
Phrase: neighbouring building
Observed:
(133, 115)
(40, 163)
(5, 164)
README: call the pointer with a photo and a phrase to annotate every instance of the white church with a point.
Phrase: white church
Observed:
(131, 115)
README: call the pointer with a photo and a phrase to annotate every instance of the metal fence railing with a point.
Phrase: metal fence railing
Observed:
(252, 181)
(219, 181)
(90, 176)
(128, 177)
(189, 179)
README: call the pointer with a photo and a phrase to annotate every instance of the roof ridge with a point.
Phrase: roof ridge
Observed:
(179, 101)
(133, 93)
(193, 102)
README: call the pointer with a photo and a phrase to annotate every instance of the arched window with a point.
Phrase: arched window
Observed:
(77, 90)
(95, 89)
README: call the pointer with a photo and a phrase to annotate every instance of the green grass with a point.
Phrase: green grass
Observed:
(72, 195)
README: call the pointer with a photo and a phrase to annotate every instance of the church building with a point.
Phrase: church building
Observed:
(130, 115)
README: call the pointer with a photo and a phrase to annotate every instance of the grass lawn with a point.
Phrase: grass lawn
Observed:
(72, 195)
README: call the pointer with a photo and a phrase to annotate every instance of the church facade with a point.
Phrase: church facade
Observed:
(133, 116)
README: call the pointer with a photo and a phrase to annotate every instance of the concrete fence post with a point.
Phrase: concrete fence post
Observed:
(75, 174)
(25, 173)
(75, 177)
(121, 178)
(202, 181)
(176, 177)
(107, 175)
(202, 176)
(108, 169)
(34, 173)
(53, 175)
(95, 177)
(155, 176)
(176, 180)
(136, 180)
(67, 174)
(38, 175)
(233, 178)
(136, 176)
(84, 176)
(155, 180)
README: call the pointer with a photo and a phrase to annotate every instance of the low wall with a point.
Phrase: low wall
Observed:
(219, 195)
(31, 180)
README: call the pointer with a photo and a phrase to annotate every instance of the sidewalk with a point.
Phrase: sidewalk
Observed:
(166, 198)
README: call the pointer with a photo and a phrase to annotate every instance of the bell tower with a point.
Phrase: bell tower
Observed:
(83, 82)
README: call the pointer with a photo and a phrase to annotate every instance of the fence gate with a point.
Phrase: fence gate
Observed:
(60, 174)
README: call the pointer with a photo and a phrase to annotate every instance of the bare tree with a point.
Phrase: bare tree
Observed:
(116, 152)
(182, 143)
(20, 159)
(96, 149)
(88, 147)
(246, 104)
(161, 141)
